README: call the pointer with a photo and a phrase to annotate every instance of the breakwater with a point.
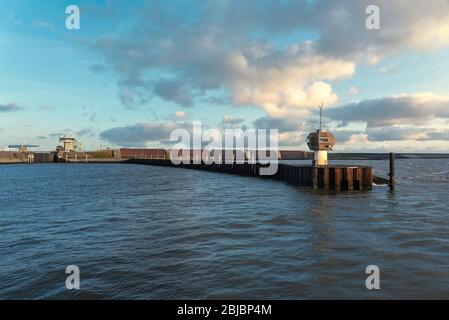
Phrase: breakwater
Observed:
(9, 157)
(329, 177)
(332, 177)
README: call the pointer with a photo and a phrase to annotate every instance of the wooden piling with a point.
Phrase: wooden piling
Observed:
(325, 178)
(358, 178)
(335, 177)
(315, 178)
(392, 174)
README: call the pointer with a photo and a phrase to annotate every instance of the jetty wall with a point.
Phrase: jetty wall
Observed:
(7, 157)
(328, 178)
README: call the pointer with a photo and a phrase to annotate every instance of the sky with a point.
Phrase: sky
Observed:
(136, 70)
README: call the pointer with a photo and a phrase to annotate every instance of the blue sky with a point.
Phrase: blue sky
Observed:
(141, 67)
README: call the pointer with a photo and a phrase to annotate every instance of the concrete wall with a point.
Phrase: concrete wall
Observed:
(13, 157)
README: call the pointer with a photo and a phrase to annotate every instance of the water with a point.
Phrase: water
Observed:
(144, 232)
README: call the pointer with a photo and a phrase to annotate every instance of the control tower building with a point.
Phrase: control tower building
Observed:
(68, 143)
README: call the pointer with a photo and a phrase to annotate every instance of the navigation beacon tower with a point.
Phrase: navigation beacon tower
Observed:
(320, 142)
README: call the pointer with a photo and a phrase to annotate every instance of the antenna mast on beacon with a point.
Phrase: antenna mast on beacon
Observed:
(320, 142)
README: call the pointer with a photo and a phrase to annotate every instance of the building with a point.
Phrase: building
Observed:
(69, 144)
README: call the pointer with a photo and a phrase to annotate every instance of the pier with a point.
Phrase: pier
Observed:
(330, 177)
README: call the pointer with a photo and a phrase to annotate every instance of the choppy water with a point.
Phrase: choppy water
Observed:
(148, 232)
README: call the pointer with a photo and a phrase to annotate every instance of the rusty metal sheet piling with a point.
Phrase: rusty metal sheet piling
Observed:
(334, 178)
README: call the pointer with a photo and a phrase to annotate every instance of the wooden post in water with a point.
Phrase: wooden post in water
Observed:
(392, 178)
(315, 178)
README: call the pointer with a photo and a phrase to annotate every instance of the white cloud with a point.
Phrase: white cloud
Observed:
(420, 25)
(201, 58)
(215, 56)
(180, 115)
(217, 52)
(353, 91)
(287, 86)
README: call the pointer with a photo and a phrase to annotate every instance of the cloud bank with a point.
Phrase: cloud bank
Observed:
(407, 117)
(140, 134)
(420, 108)
(10, 107)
